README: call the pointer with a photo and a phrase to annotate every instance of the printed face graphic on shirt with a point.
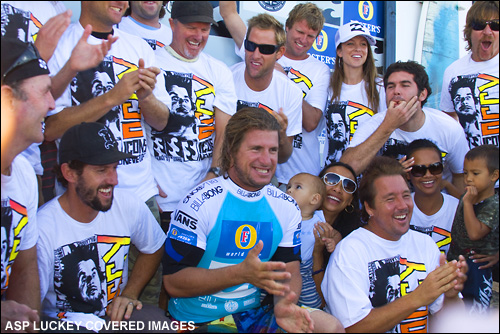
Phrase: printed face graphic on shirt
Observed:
(475, 99)
(88, 280)
(78, 282)
(14, 220)
(188, 135)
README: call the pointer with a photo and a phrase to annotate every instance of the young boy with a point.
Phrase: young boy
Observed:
(433, 211)
(475, 227)
(309, 191)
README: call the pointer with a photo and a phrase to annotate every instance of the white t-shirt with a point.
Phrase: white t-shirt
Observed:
(312, 77)
(347, 114)
(367, 271)
(19, 206)
(438, 127)
(22, 20)
(125, 120)
(306, 235)
(438, 225)
(281, 93)
(182, 152)
(157, 38)
(64, 242)
(463, 78)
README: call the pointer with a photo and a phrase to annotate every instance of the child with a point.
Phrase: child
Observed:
(433, 211)
(475, 227)
(309, 192)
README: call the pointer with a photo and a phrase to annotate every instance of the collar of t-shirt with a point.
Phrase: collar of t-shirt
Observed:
(174, 54)
(102, 35)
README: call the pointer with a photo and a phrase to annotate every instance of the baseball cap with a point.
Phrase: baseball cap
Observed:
(350, 30)
(91, 143)
(20, 61)
(193, 11)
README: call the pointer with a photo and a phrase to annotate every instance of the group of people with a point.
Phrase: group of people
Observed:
(269, 195)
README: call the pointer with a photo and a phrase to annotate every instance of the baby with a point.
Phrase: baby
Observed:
(309, 192)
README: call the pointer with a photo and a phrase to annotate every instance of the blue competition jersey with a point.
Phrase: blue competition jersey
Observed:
(226, 222)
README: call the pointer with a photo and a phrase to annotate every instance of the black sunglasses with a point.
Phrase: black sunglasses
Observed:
(332, 179)
(265, 49)
(476, 25)
(421, 170)
(30, 54)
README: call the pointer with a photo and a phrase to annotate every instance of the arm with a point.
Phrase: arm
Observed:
(233, 21)
(84, 56)
(144, 268)
(286, 142)
(310, 116)
(95, 108)
(221, 119)
(458, 184)
(49, 34)
(359, 157)
(192, 281)
(384, 318)
(289, 316)
(475, 228)
(23, 294)
(155, 112)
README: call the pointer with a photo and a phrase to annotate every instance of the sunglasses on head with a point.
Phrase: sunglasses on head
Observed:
(421, 170)
(30, 54)
(332, 179)
(477, 25)
(265, 49)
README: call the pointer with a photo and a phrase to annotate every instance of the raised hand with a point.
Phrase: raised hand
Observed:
(264, 275)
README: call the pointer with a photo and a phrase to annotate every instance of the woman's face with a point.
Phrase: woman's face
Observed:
(337, 199)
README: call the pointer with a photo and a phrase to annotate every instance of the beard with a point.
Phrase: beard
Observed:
(90, 197)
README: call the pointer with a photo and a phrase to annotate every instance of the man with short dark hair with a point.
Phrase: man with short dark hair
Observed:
(388, 133)
(93, 214)
(26, 98)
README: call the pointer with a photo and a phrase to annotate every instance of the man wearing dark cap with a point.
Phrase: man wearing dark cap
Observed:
(98, 218)
(129, 104)
(208, 83)
(26, 98)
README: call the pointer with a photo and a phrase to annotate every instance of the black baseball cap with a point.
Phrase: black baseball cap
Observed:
(20, 61)
(91, 143)
(193, 11)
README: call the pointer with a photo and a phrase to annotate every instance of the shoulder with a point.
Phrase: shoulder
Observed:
(281, 198)
(439, 118)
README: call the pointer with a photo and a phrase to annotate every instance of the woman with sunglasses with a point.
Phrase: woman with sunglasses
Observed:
(340, 209)
(481, 67)
(433, 211)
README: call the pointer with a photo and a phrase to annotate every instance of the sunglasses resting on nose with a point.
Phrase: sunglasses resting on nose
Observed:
(421, 170)
(265, 49)
(477, 25)
(332, 179)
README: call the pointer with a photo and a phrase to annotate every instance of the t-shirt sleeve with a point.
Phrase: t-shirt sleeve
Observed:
(225, 94)
(147, 234)
(366, 130)
(446, 104)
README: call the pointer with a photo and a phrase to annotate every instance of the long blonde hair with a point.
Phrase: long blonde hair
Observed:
(370, 76)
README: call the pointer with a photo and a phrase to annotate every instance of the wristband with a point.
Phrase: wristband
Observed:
(318, 271)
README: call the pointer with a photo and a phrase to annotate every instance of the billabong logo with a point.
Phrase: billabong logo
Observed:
(272, 6)
(107, 136)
